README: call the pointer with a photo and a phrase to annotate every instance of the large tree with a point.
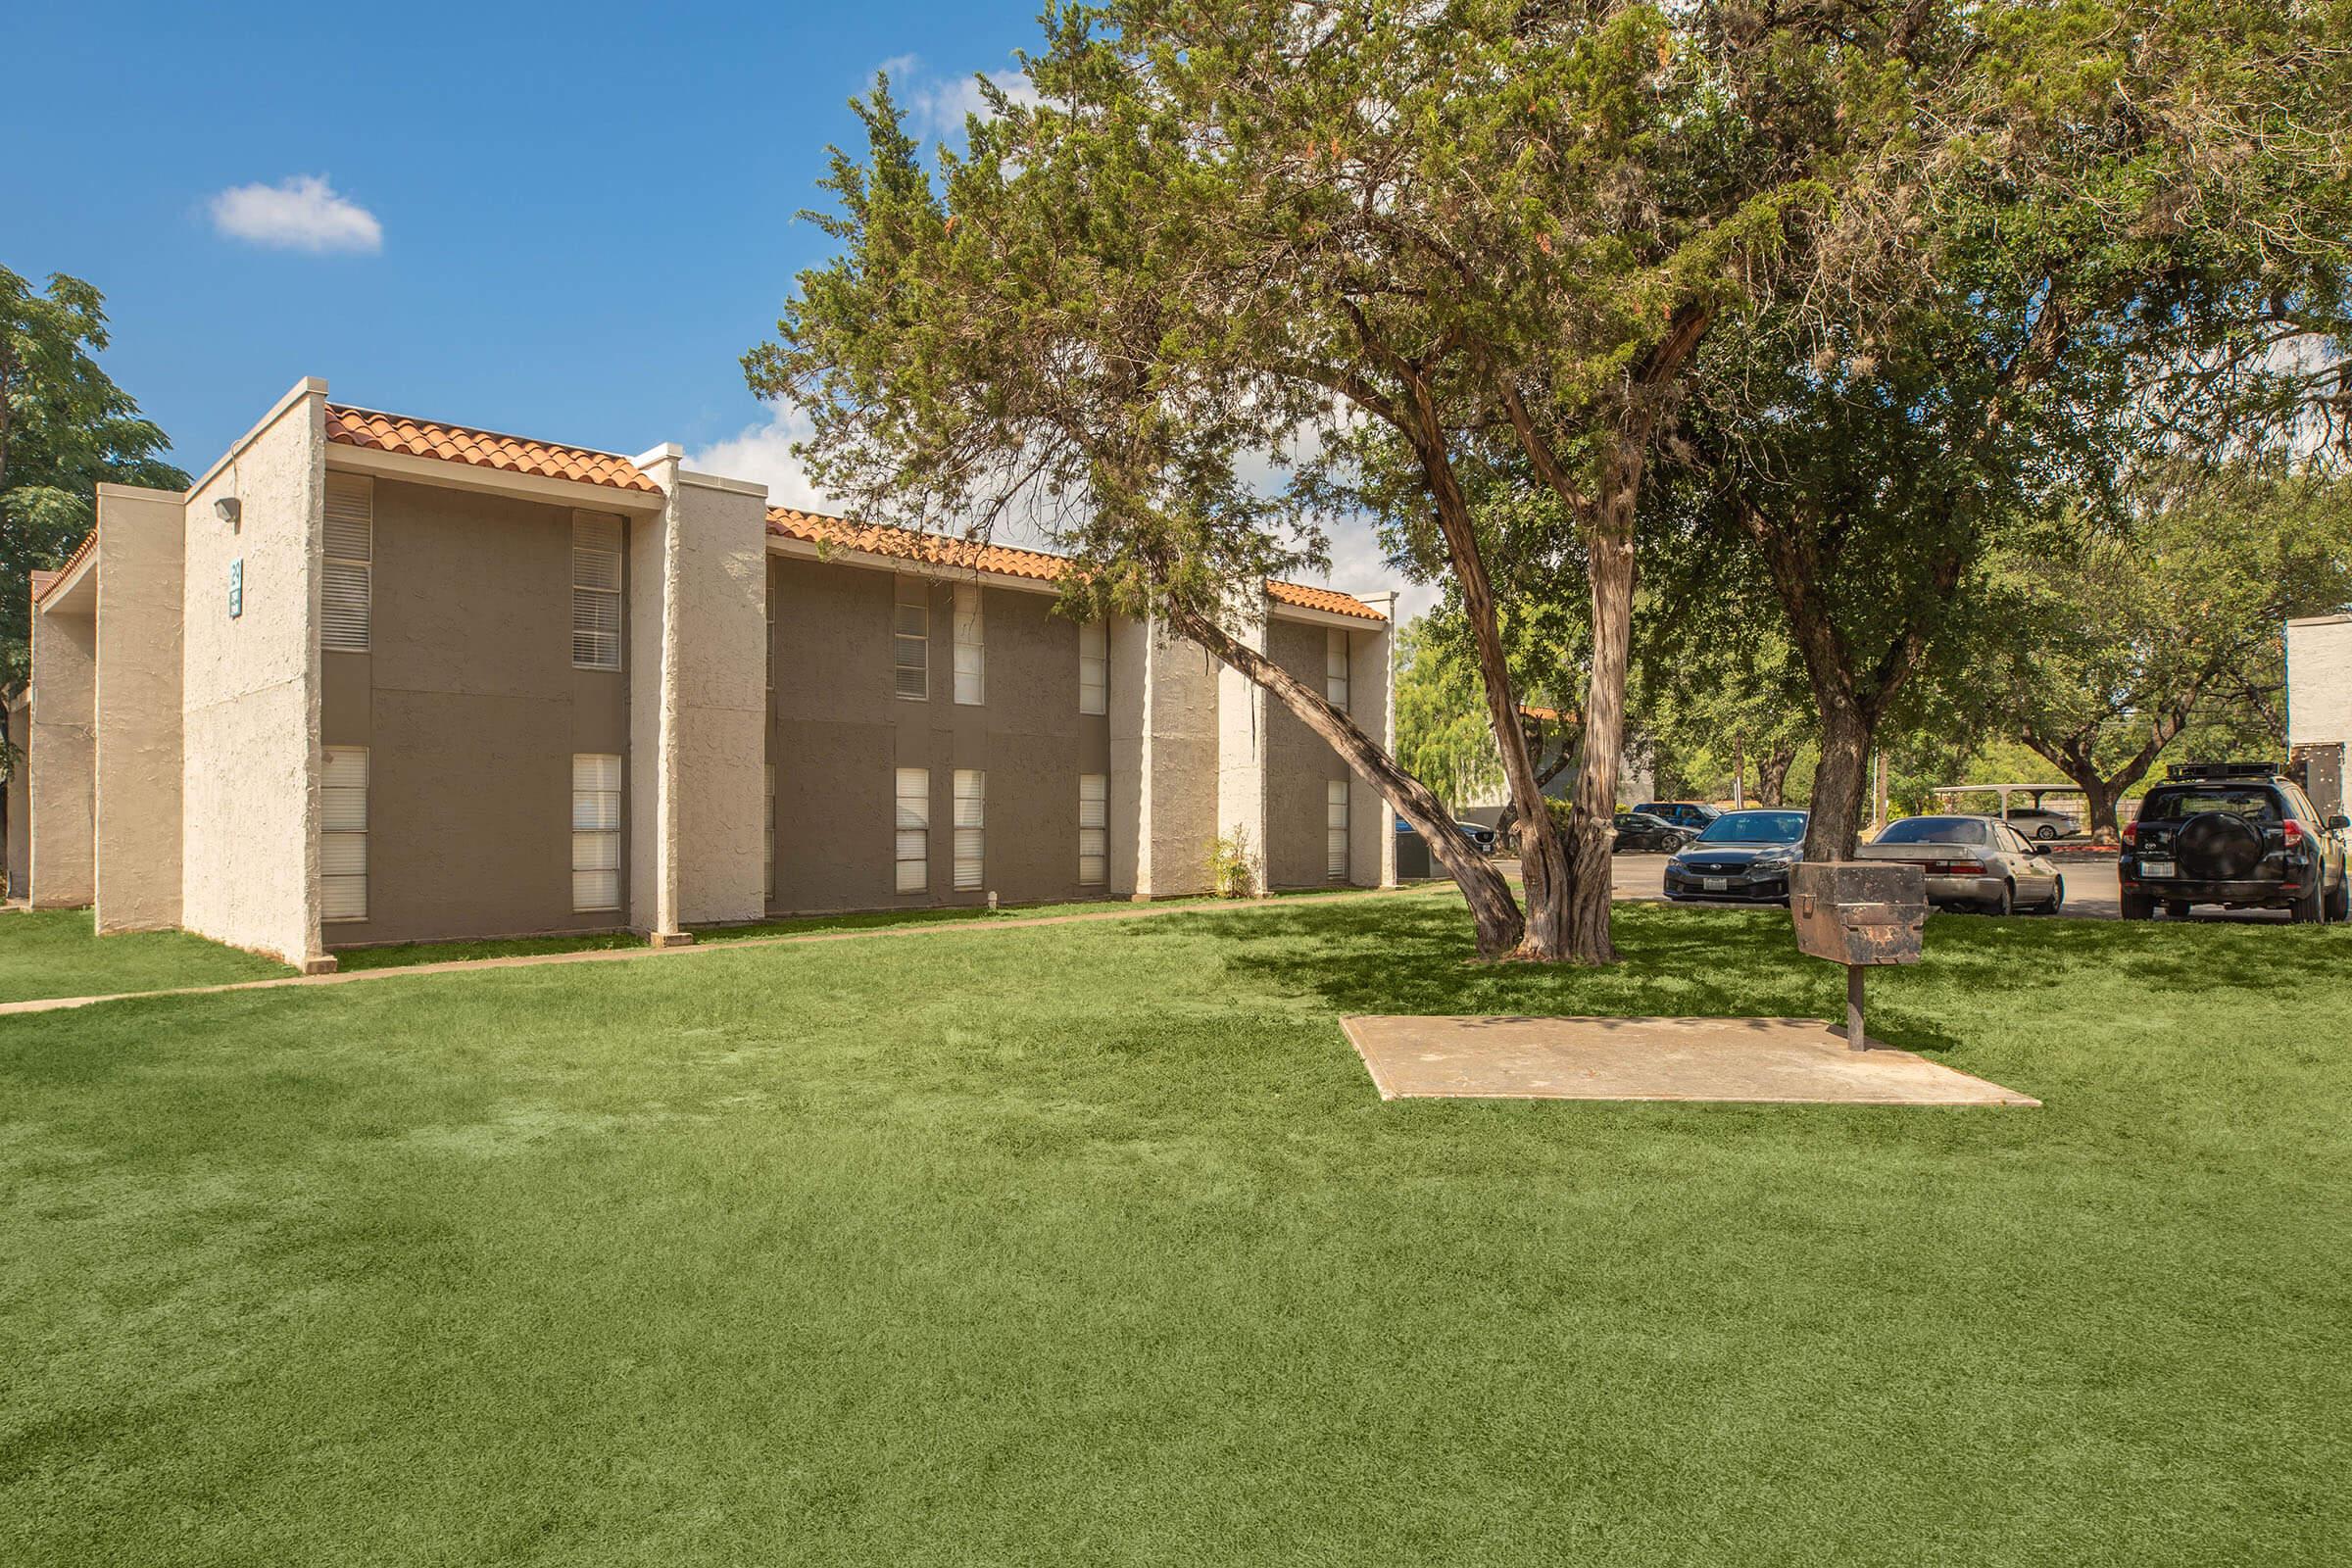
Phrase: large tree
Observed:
(1457, 241)
(2127, 638)
(2145, 244)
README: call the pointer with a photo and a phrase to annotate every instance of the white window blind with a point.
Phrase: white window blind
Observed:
(1334, 822)
(1334, 668)
(1093, 667)
(595, 832)
(971, 802)
(910, 639)
(347, 588)
(343, 834)
(769, 881)
(596, 539)
(914, 827)
(1094, 829)
(971, 653)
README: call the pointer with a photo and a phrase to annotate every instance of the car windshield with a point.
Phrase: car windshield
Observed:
(2254, 802)
(1756, 827)
(1934, 830)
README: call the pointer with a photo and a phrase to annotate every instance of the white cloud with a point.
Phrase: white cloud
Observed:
(935, 106)
(764, 452)
(1358, 566)
(301, 213)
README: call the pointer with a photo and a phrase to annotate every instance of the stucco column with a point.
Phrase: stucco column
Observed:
(1241, 742)
(139, 708)
(62, 754)
(1163, 750)
(1372, 702)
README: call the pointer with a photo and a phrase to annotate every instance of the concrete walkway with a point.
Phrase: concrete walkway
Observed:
(1140, 911)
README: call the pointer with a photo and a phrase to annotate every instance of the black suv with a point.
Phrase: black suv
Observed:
(2234, 833)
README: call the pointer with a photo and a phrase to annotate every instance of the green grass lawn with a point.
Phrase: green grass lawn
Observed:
(57, 953)
(1093, 1244)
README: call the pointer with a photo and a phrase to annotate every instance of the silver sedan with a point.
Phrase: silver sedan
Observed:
(1973, 862)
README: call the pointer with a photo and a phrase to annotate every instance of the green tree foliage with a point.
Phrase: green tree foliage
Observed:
(2125, 640)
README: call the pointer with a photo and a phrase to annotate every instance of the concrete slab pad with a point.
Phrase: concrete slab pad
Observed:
(1750, 1060)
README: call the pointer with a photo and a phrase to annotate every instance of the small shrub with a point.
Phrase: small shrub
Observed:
(1231, 874)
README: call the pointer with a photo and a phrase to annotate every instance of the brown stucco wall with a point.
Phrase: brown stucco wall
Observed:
(471, 711)
(837, 735)
(20, 798)
(1299, 766)
(62, 754)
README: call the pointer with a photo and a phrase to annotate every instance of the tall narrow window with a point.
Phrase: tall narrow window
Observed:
(1334, 668)
(1093, 667)
(1335, 825)
(347, 590)
(596, 590)
(343, 834)
(972, 652)
(913, 821)
(1094, 829)
(770, 862)
(971, 802)
(595, 832)
(910, 639)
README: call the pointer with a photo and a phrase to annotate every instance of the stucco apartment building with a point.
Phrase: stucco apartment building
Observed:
(381, 679)
(2319, 707)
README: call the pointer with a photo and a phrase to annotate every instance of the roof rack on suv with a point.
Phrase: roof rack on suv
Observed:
(2222, 771)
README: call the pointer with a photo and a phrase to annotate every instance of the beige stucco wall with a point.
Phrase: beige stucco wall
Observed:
(839, 734)
(652, 888)
(249, 778)
(141, 590)
(20, 799)
(1241, 750)
(1163, 782)
(720, 537)
(61, 752)
(2319, 680)
(1371, 687)
(471, 711)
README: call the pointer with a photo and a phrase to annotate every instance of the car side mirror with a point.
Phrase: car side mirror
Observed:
(2338, 823)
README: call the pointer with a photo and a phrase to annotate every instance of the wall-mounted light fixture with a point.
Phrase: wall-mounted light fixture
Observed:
(231, 510)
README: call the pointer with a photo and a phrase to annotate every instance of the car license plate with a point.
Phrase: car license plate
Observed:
(2155, 868)
(1714, 884)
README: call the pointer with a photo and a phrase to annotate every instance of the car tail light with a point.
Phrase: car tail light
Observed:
(2294, 832)
(1955, 869)
(2131, 834)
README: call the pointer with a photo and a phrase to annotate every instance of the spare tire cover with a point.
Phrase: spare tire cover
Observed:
(2219, 847)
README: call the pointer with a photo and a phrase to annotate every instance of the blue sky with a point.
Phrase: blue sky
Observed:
(564, 222)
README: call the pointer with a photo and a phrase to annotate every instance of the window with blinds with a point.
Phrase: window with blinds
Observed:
(343, 834)
(972, 652)
(1094, 829)
(347, 590)
(596, 540)
(1093, 667)
(910, 639)
(913, 826)
(595, 832)
(971, 802)
(1335, 835)
(1334, 668)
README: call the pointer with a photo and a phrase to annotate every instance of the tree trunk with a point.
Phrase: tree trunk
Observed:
(1494, 914)
(1772, 775)
(1840, 784)
(1609, 568)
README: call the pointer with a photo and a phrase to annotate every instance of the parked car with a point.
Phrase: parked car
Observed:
(1478, 833)
(2036, 823)
(2235, 834)
(1640, 833)
(1740, 855)
(1978, 862)
(1692, 815)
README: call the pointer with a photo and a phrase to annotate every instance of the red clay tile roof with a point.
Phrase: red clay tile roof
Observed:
(44, 582)
(946, 550)
(483, 449)
(1329, 600)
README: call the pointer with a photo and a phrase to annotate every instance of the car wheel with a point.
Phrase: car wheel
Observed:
(2003, 903)
(2139, 906)
(2057, 903)
(2046, 832)
(2339, 902)
(2310, 908)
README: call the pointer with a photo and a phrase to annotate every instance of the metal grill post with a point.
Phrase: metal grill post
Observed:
(1855, 1038)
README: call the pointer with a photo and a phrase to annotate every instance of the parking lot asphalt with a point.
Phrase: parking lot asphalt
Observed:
(2090, 888)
